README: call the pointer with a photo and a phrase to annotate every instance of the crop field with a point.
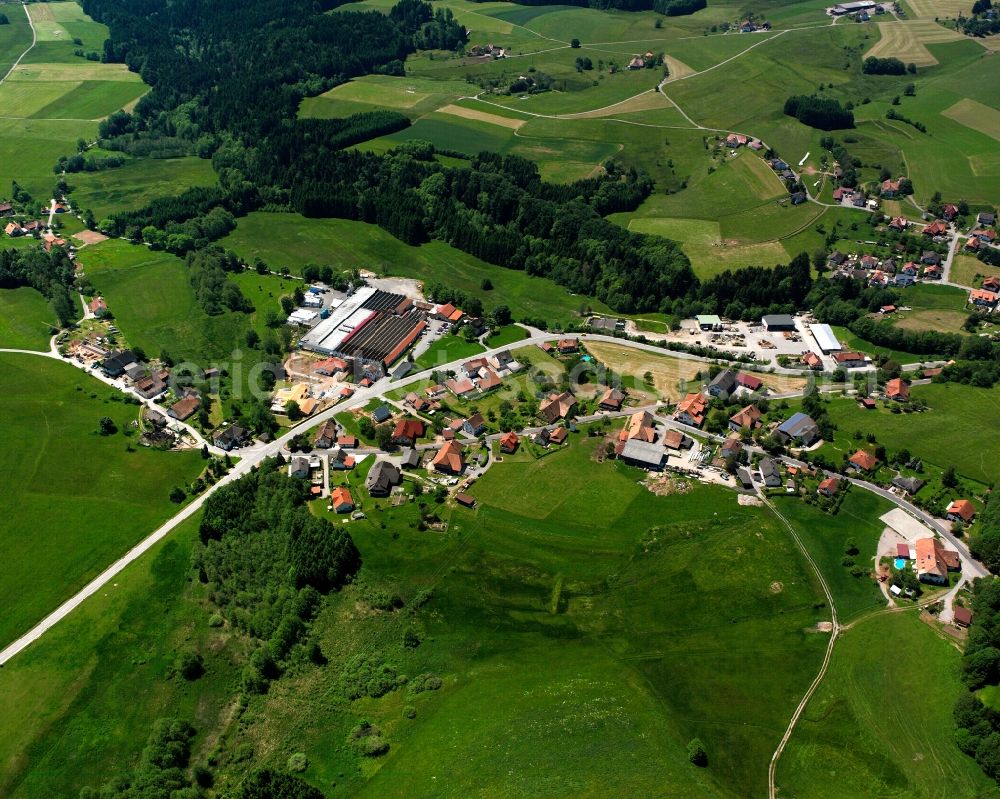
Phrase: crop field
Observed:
(26, 319)
(59, 531)
(977, 116)
(14, 37)
(291, 240)
(864, 734)
(955, 430)
(934, 9)
(137, 182)
(908, 40)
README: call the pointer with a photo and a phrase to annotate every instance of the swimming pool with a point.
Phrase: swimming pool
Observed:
(900, 563)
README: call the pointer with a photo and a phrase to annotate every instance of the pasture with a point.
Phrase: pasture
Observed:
(292, 240)
(975, 115)
(955, 430)
(857, 738)
(967, 270)
(446, 349)
(26, 319)
(137, 182)
(74, 500)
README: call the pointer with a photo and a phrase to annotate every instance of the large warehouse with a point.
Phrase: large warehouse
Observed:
(826, 339)
(372, 326)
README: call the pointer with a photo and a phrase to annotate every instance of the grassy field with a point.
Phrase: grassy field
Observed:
(447, 349)
(60, 531)
(580, 639)
(53, 98)
(827, 536)
(137, 182)
(955, 430)
(26, 319)
(970, 271)
(866, 733)
(291, 240)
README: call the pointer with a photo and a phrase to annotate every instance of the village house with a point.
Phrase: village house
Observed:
(184, 408)
(566, 346)
(691, 410)
(799, 429)
(326, 435)
(330, 367)
(899, 224)
(986, 219)
(769, 473)
(557, 435)
(466, 500)
(14, 230)
(911, 485)
(381, 478)
(474, 425)
(749, 382)
(890, 188)
(640, 427)
(409, 458)
(961, 510)
(936, 228)
(812, 361)
(992, 284)
(612, 400)
(229, 438)
(347, 441)
(731, 448)
(972, 243)
(862, 461)
(340, 459)
(723, 384)
(449, 458)
(509, 442)
(381, 414)
(676, 440)
(962, 617)
(849, 360)
(748, 418)
(298, 467)
(897, 390)
(460, 386)
(117, 362)
(407, 431)
(556, 407)
(152, 385)
(341, 500)
(934, 272)
(488, 380)
(932, 561)
(982, 298)
(829, 487)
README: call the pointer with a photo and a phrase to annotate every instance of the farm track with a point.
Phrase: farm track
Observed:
(34, 41)
(827, 656)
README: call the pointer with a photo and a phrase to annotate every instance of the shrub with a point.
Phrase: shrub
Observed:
(696, 752)
(189, 665)
(298, 763)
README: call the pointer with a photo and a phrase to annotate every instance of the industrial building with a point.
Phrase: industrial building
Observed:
(372, 326)
(826, 339)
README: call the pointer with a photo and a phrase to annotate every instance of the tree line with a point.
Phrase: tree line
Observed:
(671, 8)
(49, 273)
(819, 112)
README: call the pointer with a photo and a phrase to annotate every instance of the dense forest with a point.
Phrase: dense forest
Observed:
(672, 8)
(819, 112)
(978, 733)
(50, 273)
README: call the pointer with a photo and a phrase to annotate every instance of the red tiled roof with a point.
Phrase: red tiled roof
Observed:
(962, 508)
(864, 460)
(449, 458)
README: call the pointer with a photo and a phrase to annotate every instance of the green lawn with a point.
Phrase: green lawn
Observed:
(957, 429)
(511, 334)
(292, 240)
(446, 349)
(26, 319)
(881, 724)
(74, 500)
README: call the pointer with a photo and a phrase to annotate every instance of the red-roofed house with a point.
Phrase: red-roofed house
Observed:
(449, 458)
(749, 418)
(509, 442)
(749, 381)
(897, 390)
(983, 298)
(862, 461)
(691, 410)
(407, 431)
(961, 510)
(829, 487)
(933, 562)
(341, 500)
(937, 228)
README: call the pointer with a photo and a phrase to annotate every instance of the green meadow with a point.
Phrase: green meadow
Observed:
(582, 638)
(74, 500)
(26, 319)
(137, 182)
(954, 430)
(881, 722)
